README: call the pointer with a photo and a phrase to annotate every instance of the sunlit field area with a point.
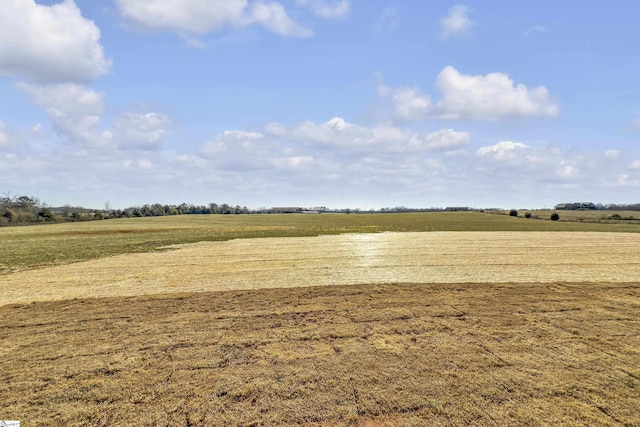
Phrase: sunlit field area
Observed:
(32, 246)
(321, 320)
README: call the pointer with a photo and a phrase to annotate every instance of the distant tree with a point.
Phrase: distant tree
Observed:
(45, 214)
(513, 212)
(555, 216)
(527, 215)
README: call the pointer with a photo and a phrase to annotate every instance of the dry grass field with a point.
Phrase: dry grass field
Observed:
(412, 257)
(363, 355)
(442, 328)
(34, 246)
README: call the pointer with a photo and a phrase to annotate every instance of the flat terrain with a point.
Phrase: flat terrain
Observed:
(34, 246)
(368, 355)
(412, 257)
(479, 321)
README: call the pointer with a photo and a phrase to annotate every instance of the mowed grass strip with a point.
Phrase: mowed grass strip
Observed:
(372, 258)
(34, 246)
(371, 355)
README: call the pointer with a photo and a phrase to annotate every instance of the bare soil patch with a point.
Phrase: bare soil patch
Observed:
(361, 355)
(424, 257)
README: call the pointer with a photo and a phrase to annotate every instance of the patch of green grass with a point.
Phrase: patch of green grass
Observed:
(33, 246)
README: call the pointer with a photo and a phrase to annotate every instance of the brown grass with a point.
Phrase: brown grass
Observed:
(434, 257)
(435, 329)
(368, 355)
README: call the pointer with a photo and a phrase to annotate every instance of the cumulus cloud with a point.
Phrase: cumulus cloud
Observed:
(326, 9)
(350, 138)
(75, 113)
(409, 103)
(503, 150)
(144, 131)
(46, 44)
(491, 97)
(541, 163)
(199, 17)
(73, 109)
(274, 17)
(447, 140)
(457, 22)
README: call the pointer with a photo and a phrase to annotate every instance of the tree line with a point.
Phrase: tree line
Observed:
(22, 210)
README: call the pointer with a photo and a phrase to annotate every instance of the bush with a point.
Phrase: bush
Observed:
(513, 212)
(527, 215)
(555, 216)
(10, 215)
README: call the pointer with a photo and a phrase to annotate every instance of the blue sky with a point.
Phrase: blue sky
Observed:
(337, 103)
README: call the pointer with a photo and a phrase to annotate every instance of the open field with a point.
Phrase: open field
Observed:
(377, 329)
(362, 355)
(33, 246)
(433, 257)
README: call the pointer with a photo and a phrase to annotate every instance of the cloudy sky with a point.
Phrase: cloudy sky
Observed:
(337, 103)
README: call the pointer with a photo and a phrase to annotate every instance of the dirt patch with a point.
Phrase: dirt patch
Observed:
(433, 257)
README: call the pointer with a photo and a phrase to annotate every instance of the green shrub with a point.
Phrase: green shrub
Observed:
(527, 215)
(513, 212)
(555, 216)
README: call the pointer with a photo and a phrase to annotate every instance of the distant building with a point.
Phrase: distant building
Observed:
(575, 206)
(285, 210)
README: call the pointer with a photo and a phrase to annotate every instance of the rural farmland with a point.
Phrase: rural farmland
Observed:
(363, 320)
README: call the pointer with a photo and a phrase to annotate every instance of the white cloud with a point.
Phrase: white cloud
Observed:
(518, 161)
(73, 109)
(48, 44)
(354, 140)
(409, 103)
(4, 138)
(466, 97)
(140, 131)
(567, 170)
(503, 150)
(238, 150)
(457, 22)
(447, 140)
(327, 9)
(200, 17)
(273, 17)
(490, 97)
(635, 165)
(611, 154)
(626, 180)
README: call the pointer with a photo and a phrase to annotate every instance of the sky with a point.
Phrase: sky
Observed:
(336, 103)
